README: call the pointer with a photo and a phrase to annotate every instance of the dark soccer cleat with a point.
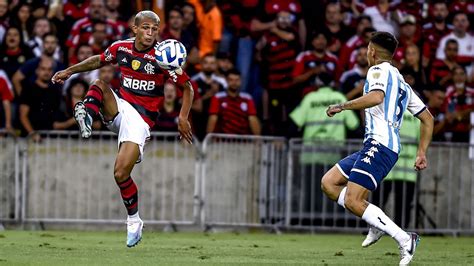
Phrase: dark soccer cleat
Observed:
(83, 119)
(407, 249)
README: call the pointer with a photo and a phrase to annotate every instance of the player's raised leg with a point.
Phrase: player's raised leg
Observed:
(99, 97)
(127, 156)
(356, 202)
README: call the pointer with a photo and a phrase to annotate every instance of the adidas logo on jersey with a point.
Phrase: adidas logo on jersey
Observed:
(124, 60)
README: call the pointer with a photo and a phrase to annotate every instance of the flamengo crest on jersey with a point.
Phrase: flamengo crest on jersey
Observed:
(383, 121)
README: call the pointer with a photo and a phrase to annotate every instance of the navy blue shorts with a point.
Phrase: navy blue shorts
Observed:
(368, 166)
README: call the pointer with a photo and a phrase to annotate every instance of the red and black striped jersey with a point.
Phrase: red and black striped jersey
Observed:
(279, 58)
(232, 112)
(142, 80)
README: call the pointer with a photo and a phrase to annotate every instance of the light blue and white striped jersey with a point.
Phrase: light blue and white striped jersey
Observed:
(383, 121)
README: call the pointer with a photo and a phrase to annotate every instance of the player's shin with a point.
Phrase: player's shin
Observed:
(93, 100)
(374, 216)
(129, 192)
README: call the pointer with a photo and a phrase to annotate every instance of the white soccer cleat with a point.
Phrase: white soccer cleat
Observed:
(134, 231)
(407, 249)
(372, 237)
(83, 119)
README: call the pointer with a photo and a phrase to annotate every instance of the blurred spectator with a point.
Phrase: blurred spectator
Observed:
(174, 29)
(441, 69)
(210, 23)
(21, 18)
(435, 104)
(98, 40)
(83, 52)
(208, 84)
(3, 18)
(364, 30)
(412, 70)
(28, 70)
(169, 110)
(310, 115)
(113, 13)
(6, 96)
(42, 27)
(224, 65)
(459, 103)
(462, 6)
(76, 9)
(232, 111)
(64, 119)
(40, 103)
(311, 64)
(277, 49)
(13, 52)
(352, 81)
(319, 130)
(82, 30)
(409, 7)
(383, 19)
(408, 37)
(189, 20)
(338, 33)
(463, 37)
(435, 30)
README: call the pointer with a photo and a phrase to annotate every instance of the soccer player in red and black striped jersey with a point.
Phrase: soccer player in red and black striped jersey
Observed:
(232, 111)
(132, 112)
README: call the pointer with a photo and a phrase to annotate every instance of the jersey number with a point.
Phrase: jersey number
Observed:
(402, 95)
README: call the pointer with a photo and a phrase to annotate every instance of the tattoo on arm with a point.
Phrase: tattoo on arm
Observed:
(89, 64)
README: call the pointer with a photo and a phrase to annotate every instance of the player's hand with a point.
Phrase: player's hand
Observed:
(334, 109)
(61, 76)
(420, 162)
(184, 128)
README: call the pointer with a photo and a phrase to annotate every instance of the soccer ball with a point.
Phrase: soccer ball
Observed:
(170, 54)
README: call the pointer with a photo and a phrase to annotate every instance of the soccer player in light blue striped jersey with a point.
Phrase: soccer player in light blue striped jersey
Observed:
(386, 97)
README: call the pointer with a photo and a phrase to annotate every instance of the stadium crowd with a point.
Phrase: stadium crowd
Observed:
(252, 62)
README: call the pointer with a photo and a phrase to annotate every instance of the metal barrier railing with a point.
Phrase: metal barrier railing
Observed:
(243, 180)
(227, 180)
(67, 179)
(10, 202)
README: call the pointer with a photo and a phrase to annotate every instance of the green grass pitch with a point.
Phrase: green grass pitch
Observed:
(108, 248)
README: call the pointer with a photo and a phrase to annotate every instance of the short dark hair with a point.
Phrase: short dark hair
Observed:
(176, 9)
(385, 40)
(449, 41)
(232, 71)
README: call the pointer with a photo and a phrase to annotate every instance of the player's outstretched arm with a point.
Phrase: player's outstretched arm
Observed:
(372, 98)
(426, 131)
(184, 127)
(89, 64)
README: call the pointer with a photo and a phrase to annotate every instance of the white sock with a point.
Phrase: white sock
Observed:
(134, 216)
(341, 198)
(374, 216)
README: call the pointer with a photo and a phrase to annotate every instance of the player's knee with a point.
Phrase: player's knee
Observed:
(120, 174)
(328, 187)
(100, 84)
